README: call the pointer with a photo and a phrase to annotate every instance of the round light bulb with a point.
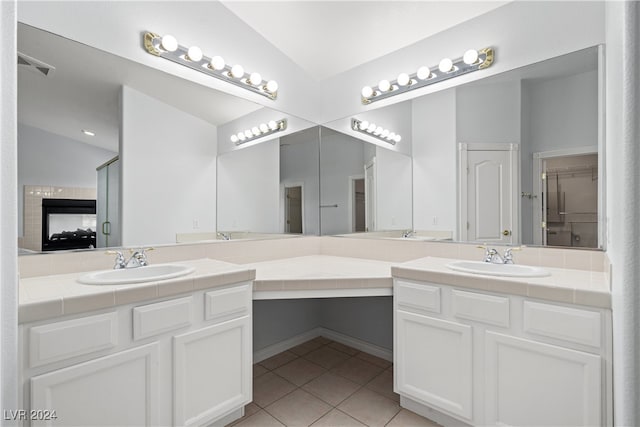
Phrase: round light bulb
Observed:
(384, 85)
(255, 79)
(255, 131)
(217, 63)
(272, 125)
(194, 54)
(248, 133)
(470, 56)
(445, 65)
(263, 127)
(169, 43)
(371, 128)
(234, 138)
(272, 86)
(363, 125)
(391, 136)
(397, 138)
(367, 92)
(385, 133)
(403, 79)
(378, 130)
(423, 73)
(241, 136)
(237, 71)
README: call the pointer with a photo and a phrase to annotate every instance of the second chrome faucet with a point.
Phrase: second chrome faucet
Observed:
(492, 255)
(138, 258)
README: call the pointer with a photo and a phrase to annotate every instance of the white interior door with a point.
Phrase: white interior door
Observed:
(488, 206)
(370, 195)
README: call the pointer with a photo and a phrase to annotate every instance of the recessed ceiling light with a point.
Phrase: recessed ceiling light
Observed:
(88, 132)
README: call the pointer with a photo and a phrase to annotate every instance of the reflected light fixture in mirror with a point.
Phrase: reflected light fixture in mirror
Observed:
(472, 60)
(378, 132)
(167, 47)
(259, 131)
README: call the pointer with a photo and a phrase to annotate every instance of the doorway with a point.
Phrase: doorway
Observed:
(293, 210)
(487, 185)
(357, 204)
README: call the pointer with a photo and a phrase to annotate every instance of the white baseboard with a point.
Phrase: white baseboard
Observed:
(279, 347)
(431, 414)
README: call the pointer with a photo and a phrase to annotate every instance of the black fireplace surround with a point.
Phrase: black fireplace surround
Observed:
(72, 239)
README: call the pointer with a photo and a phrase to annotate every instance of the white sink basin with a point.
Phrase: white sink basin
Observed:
(489, 269)
(147, 273)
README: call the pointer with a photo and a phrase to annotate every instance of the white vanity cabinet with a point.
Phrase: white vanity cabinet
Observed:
(495, 359)
(183, 361)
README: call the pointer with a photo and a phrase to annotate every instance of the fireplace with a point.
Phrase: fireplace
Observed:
(68, 224)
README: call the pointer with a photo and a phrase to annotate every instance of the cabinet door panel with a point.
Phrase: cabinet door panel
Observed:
(212, 371)
(115, 390)
(434, 362)
(530, 383)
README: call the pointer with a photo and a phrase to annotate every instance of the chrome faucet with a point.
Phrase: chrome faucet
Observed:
(225, 236)
(138, 259)
(493, 256)
(408, 233)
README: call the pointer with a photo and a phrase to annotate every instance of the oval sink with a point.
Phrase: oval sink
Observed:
(489, 269)
(147, 273)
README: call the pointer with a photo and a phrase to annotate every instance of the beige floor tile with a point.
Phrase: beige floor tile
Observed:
(378, 361)
(370, 408)
(249, 410)
(344, 348)
(298, 409)
(357, 370)
(278, 360)
(327, 357)
(259, 419)
(337, 418)
(259, 370)
(300, 371)
(270, 387)
(409, 419)
(331, 388)
(383, 384)
(306, 347)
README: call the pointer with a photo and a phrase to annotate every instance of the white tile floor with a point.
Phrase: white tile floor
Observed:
(325, 383)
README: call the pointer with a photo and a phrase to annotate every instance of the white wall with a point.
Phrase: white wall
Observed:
(299, 163)
(8, 210)
(249, 189)
(434, 162)
(522, 32)
(168, 171)
(623, 202)
(393, 190)
(341, 156)
(45, 158)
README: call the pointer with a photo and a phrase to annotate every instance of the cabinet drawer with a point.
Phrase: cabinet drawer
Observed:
(227, 302)
(161, 317)
(62, 340)
(481, 308)
(421, 297)
(568, 324)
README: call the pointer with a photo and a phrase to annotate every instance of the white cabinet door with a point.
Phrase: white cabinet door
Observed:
(115, 390)
(529, 383)
(212, 371)
(433, 362)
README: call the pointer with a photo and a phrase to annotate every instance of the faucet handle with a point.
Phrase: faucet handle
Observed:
(120, 261)
(140, 250)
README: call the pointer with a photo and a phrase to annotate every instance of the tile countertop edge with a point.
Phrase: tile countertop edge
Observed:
(103, 297)
(434, 270)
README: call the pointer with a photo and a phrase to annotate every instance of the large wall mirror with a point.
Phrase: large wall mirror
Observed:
(114, 153)
(511, 159)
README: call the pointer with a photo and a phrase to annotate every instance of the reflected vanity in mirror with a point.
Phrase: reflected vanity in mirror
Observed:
(509, 159)
(138, 145)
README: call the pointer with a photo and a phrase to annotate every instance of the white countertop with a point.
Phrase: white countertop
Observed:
(563, 285)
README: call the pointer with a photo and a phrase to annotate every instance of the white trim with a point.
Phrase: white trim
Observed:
(358, 344)
(283, 203)
(602, 152)
(514, 160)
(350, 211)
(370, 217)
(323, 293)
(538, 158)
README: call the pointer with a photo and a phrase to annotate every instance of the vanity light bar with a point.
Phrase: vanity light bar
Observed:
(375, 131)
(472, 60)
(259, 131)
(167, 47)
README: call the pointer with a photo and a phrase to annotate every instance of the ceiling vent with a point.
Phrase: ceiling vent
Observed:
(26, 62)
